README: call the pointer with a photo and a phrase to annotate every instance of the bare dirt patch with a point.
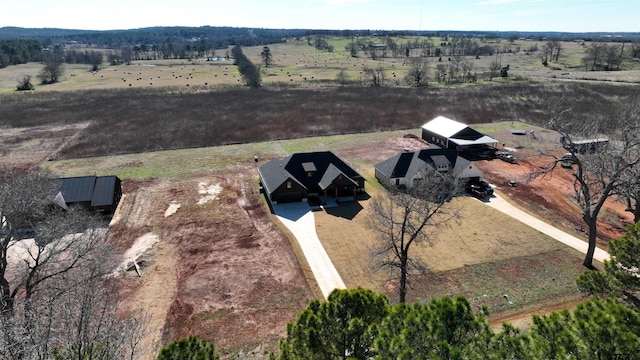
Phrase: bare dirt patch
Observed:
(551, 197)
(221, 270)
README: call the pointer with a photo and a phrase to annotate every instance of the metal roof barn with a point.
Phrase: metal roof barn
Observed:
(98, 193)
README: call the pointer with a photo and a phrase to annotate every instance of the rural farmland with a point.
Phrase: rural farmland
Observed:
(184, 137)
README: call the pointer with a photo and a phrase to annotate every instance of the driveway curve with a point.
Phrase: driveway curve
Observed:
(505, 207)
(298, 218)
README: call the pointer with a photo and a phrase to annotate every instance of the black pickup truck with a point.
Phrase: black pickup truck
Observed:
(479, 188)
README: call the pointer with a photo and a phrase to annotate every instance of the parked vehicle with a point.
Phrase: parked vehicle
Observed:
(506, 156)
(567, 160)
(478, 188)
(569, 157)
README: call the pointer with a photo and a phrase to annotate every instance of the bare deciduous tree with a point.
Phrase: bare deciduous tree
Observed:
(402, 218)
(375, 77)
(441, 70)
(418, 71)
(53, 66)
(558, 49)
(55, 287)
(342, 78)
(601, 171)
(494, 69)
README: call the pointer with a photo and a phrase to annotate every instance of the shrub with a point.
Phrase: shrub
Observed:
(189, 348)
(25, 83)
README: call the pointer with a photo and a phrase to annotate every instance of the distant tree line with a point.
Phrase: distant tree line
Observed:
(91, 57)
(214, 37)
(18, 51)
(426, 47)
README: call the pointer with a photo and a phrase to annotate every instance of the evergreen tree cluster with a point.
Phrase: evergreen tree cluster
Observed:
(359, 324)
(19, 51)
(189, 348)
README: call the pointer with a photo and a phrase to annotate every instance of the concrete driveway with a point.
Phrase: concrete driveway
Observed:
(298, 218)
(503, 206)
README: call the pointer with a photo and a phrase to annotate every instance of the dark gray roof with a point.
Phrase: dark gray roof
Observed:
(97, 190)
(104, 190)
(331, 174)
(408, 164)
(273, 174)
(77, 189)
(296, 167)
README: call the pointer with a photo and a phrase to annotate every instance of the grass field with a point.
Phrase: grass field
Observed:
(472, 256)
(297, 63)
(187, 162)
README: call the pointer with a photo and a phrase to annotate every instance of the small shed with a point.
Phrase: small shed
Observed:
(97, 193)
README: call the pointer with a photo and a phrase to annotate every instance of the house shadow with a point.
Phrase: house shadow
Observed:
(347, 210)
(291, 211)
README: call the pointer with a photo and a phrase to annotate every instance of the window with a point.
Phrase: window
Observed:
(288, 184)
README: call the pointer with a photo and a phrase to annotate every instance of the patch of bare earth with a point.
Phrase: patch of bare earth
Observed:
(28, 147)
(552, 197)
(221, 271)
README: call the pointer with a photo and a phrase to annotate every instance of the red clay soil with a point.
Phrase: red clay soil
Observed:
(552, 197)
(233, 277)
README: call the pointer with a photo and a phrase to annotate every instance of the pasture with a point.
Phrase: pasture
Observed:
(296, 63)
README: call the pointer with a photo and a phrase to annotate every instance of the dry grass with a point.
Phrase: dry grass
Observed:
(479, 235)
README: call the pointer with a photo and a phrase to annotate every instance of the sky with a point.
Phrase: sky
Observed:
(484, 15)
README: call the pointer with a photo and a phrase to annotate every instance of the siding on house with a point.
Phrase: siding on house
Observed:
(404, 168)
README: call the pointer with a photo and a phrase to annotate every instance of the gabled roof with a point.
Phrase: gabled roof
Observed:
(77, 189)
(444, 126)
(331, 174)
(96, 190)
(457, 132)
(274, 174)
(408, 164)
(311, 170)
(466, 169)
